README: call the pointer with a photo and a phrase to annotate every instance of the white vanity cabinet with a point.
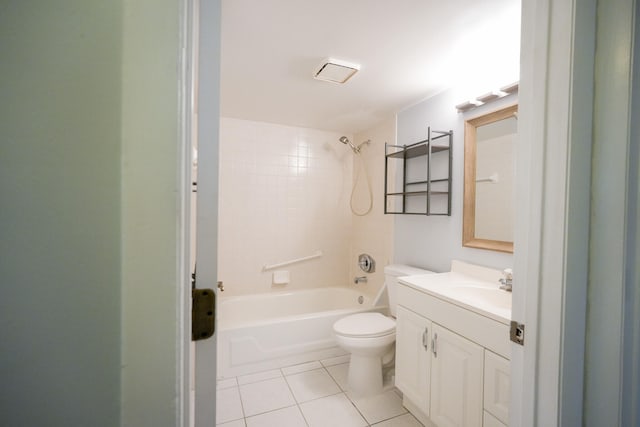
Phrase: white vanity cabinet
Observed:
(456, 380)
(451, 363)
(413, 358)
(438, 371)
(497, 386)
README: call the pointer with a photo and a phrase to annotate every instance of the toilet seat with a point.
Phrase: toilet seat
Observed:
(365, 325)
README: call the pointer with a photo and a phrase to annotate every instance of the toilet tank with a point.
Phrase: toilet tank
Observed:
(391, 274)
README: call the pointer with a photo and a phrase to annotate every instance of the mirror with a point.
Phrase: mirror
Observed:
(489, 158)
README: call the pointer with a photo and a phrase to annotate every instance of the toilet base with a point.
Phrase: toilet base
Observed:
(365, 375)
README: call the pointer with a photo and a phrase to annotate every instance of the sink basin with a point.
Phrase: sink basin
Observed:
(482, 295)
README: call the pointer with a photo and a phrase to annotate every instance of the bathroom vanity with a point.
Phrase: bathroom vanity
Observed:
(453, 348)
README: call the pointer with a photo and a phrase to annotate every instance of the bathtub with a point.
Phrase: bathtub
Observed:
(273, 330)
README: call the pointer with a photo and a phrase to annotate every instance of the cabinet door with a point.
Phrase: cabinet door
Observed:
(456, 380)
(413, 338)
(497, 386)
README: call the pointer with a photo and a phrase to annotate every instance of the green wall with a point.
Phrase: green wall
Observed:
(150, 206)
(60, 124)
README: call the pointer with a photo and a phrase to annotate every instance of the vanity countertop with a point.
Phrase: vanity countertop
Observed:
(472, 292)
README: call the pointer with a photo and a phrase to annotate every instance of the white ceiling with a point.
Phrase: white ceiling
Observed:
(408, 50)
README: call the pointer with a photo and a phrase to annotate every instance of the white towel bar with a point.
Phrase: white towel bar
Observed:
(492, 178)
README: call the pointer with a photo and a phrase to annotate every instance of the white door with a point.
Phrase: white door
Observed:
(456, 380)
(413, 359)
(206, 24)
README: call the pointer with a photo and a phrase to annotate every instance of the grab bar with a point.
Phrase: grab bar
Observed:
(318, 254)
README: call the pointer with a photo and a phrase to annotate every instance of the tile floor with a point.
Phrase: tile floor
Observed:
(307, 395)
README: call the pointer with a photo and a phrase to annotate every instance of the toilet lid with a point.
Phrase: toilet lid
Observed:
(365, 325)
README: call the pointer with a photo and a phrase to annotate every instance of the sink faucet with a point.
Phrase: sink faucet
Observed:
(507, 280)
(360, 279)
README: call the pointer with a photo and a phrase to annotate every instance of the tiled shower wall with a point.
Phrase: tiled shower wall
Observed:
(284, 194)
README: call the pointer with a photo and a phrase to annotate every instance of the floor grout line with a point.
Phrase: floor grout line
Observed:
(298, 403)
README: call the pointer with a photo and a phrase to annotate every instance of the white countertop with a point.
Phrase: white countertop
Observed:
(471, 292)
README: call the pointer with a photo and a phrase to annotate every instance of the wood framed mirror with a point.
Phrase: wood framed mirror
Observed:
(489, 158)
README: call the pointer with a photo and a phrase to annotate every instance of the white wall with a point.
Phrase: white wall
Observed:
(433, 241)
(150, 209)
(372, 233)
(284, 194)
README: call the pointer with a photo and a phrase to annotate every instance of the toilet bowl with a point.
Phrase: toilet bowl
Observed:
(370, 337)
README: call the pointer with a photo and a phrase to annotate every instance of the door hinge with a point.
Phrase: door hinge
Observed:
(203, 317)
(516, 332)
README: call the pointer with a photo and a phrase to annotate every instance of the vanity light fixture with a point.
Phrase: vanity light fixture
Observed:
(488, 97)
(512, 88)
(472, 103)
(494, 94)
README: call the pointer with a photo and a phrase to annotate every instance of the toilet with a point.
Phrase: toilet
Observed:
(370, 337)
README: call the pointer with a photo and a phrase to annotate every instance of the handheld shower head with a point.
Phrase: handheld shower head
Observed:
(355, 149)
(346, 141)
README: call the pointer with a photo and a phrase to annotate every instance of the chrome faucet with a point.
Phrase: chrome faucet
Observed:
(360, 279)
(507, 280)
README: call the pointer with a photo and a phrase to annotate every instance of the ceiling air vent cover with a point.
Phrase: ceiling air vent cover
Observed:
(335, 70)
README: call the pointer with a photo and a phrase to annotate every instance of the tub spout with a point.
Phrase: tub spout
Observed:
(360, 279)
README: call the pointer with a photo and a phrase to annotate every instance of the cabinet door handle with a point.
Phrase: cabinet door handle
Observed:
(425, 339)
(434, 343)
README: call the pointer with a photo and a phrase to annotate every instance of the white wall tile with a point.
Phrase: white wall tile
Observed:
(284, 194)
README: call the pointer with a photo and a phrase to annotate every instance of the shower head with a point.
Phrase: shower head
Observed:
(346, 141)
(355, 149)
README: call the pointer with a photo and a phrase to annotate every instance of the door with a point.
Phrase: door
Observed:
(413, 359)
(456, 380)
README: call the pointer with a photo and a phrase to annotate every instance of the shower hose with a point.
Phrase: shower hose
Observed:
(355, 184)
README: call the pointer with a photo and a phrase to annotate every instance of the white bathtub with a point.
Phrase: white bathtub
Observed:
(273, 330)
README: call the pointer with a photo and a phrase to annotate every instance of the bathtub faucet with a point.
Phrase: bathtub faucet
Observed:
(360, 279)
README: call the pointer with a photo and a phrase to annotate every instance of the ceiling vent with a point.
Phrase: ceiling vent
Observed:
(335, 70)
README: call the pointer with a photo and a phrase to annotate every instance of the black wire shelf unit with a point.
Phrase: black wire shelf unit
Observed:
(412, 190)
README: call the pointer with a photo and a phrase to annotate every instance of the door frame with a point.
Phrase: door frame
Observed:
(186, 126)
(199, 88)
(611, 388)
(551, 253)
(573, 246)
(554, 161)
(207, 107)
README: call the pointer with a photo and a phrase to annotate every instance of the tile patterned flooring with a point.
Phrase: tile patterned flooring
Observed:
(308, 395)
